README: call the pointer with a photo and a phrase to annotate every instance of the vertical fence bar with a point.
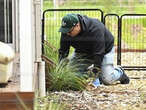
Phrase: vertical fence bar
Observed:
(43, 22)
(119, 42)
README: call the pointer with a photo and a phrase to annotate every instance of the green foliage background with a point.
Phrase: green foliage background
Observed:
(133, 40)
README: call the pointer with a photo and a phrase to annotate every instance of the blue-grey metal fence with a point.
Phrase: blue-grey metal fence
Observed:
(129, 31)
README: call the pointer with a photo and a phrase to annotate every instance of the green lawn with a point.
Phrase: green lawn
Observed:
(134, 32)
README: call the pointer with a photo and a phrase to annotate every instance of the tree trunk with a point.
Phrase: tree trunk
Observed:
(131, 6)
(120, 2)
(55, 3)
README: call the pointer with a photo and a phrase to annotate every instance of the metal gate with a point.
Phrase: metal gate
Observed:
(129, 31)
(51, 22)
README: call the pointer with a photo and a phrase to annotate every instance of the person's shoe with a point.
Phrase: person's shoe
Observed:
(96, 83)
(124, 78)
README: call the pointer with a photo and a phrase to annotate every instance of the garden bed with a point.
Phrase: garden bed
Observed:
(114, 97)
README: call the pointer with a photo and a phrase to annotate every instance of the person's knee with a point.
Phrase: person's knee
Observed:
(107, 80)
(107, 74)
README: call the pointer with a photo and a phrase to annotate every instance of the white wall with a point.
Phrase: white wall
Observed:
(26, 45)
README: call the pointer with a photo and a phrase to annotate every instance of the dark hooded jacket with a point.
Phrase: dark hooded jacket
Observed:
(94, 40)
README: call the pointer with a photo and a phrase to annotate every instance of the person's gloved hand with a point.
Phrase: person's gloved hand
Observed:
(94, 71)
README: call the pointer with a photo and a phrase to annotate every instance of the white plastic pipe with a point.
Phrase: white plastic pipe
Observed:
(41, 77)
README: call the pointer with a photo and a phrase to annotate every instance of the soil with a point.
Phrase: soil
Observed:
(113, 97)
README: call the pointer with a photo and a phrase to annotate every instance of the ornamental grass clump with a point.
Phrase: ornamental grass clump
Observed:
(64, 77)
(61, 76)
(45, 103)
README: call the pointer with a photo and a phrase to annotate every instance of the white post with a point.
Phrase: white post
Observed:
(38, 53)
(41, 78)
(26, 46)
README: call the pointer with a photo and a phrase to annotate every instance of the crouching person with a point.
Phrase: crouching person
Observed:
(93, 44)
